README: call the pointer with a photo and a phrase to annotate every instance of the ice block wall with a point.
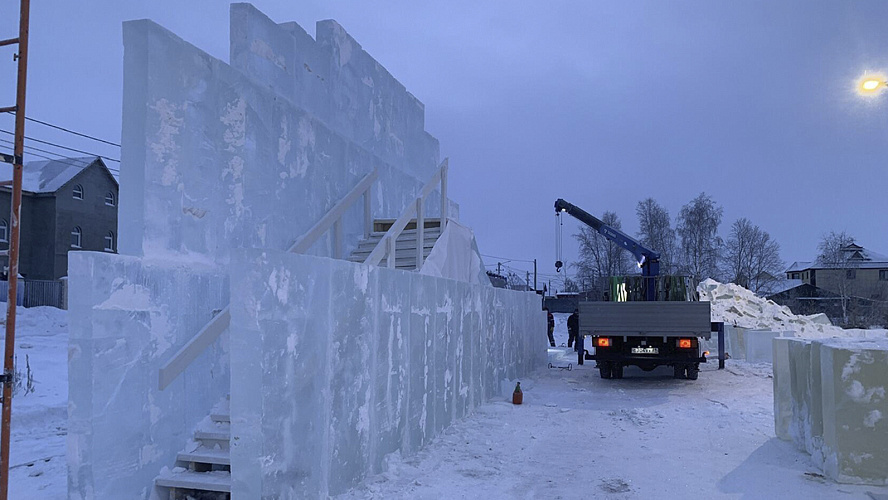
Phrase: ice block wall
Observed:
(334, 79)
(336, 365)
(214, 159)
(830, 400)
(127, 318)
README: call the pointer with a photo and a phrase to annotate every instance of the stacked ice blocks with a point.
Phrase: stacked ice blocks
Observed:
(829, 399)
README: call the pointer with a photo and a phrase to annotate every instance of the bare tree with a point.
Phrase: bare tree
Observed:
(834, 255)
(697, 227)
(752, 258)
(571, 285)
(655, 232)
(600, 258)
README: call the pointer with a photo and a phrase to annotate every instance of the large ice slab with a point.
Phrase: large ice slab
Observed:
(782, 388)
(854, 374)
(337, 81)
(830, 400)
(213, 159)
(126, 319)
(337, 365)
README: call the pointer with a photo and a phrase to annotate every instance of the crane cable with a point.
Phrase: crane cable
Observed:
(558, 227)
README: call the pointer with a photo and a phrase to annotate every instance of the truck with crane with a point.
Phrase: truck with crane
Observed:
(647, 321)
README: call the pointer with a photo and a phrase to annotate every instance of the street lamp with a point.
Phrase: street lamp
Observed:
(871, 84)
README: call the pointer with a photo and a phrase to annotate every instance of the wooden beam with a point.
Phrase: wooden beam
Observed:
(311, 236)
(190, 351)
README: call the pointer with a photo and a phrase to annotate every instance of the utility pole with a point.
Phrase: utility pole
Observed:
(534, 275)
(499, 268)
(15, 212)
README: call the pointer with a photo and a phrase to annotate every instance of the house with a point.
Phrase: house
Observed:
(852, 291)
(859, 272)
(67, 204)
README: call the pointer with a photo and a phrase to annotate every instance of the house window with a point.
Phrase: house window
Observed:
(109, 199)
(883, 273)
(76, 237)
(109, 241)
(78, 192)
(4, 231)
(851, 274)
(795, 276)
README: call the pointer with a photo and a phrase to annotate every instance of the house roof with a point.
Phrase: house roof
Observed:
(800, 265)
(856, 256)
(784, 285)
(50, 175)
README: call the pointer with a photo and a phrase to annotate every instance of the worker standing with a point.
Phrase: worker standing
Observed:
(551, 322)
(573, 328)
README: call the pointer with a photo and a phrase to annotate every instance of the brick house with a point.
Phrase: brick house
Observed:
(67, 204)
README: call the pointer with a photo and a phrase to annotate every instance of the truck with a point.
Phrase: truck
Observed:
(648, 320)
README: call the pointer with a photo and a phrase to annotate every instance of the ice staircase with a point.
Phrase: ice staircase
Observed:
(203, 468)
(405, 245)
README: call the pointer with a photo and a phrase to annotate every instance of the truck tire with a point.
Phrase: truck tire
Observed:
(604, 369)
(617, 370)
(693, 371)
(678, 371)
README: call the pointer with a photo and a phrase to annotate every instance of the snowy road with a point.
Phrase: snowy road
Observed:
(646, 436)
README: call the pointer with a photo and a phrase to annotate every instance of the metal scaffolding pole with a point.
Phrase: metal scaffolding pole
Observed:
(15, 212)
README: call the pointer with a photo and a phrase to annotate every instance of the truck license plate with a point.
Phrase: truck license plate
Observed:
(645, 350)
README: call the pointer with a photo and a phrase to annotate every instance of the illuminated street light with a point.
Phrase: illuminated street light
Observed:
(871, 84)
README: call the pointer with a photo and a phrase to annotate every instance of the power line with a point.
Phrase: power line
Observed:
(33, 148)
(68, 131)
(505, 258)
(61, 160)
(63, 147)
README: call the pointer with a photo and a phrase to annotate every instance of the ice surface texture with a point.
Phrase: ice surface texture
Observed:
(830, 400)
(334, 79)
(214, 159)
(339, 365)
(126, 319)
(336, 364)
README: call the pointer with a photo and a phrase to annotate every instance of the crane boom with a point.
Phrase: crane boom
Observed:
(648, 260)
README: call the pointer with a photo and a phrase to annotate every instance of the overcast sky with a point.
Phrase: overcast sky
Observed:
(600, 103)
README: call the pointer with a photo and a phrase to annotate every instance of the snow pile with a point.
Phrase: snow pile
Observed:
(737, 306)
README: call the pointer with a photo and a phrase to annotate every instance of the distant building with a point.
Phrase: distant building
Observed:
(67, 204)
(852, 292)
(861, 273)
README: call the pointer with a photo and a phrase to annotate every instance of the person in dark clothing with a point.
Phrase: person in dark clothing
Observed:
(573, 327)
(551, 328)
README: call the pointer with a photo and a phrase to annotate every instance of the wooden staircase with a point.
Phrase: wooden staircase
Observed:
(203, 468)
(405, 245)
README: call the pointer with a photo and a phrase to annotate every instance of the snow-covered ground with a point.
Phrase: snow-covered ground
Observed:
(646, 436)
(39, 418)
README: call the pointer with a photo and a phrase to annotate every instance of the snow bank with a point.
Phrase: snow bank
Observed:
(737, 306)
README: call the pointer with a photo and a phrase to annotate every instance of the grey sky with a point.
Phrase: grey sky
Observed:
(600, 103)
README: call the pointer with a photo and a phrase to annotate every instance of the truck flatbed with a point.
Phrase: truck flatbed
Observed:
(646, 319)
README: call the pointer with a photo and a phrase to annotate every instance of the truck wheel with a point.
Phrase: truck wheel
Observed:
(678, 371)
(693, 371)
(617, 370)
(604, 369)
